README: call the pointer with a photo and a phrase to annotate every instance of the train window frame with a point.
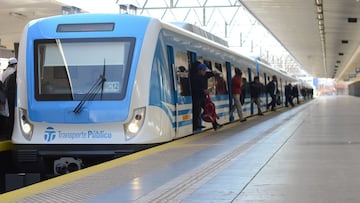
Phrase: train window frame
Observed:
(217, 67)
(181, 61)
(128, 60)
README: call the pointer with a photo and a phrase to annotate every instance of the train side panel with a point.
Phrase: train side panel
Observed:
(98, 85)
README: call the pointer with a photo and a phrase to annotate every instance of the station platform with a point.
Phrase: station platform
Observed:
(308, 153)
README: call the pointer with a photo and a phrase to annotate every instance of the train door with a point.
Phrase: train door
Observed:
(263, 94)
(266, 82)
(281, 87)
(245, 91)
(231, 101)
(183, 101)
(251, 76)
(218, 89)
(221, 98)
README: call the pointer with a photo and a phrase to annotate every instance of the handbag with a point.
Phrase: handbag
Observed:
(209, 113)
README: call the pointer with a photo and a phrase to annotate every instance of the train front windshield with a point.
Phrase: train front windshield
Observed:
(73, 69)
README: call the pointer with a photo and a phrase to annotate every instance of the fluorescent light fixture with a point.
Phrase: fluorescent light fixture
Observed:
(318, 2)
(319, 9)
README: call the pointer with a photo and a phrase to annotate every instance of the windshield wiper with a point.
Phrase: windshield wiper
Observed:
(90, 95)
(103, 82)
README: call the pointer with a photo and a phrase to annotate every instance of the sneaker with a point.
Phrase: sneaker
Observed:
(218, 127)
(260, 114)
(243, 120)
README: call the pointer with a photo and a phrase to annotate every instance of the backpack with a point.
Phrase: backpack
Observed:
(209, 113)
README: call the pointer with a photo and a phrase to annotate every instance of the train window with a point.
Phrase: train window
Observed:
(181, 62)
(211, 80)
(208, 64)
(74, 69)
(59, 73)
(220, 80)
(218, 67)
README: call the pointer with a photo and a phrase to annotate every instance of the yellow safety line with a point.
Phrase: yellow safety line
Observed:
(5, 145)
(61, 180)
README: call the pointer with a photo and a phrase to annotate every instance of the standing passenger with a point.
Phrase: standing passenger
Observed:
(220, 84)
(272, 89)
(295, 93)
(236, 84)
(255, 91)
(4, 111)
(303, 92)
(10, 88)
(199, 77)
(288, 95)
(10, 69)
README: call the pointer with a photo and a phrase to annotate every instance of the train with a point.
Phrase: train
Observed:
(93, 87)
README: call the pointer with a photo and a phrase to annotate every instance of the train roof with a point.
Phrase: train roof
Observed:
(223, 47)
(197, 30)
(202, 39)
(183, 29)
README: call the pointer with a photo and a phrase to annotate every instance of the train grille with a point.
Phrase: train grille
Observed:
(26, 155)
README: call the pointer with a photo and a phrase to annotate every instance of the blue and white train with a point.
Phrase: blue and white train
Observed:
(96, 86)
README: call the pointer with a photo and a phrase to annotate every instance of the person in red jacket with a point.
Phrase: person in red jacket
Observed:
(236, 83)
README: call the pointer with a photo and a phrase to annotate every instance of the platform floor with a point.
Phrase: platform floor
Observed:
(307, 154)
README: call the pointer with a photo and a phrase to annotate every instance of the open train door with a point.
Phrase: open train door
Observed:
(178, 60)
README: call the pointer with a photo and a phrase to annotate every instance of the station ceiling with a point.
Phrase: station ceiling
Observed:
(296, 25)
(322, 35)
(15, 14)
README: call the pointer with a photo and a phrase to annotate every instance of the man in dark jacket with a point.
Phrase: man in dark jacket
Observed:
(255, 92)
(288, 95)
(295, 93)
(199, 89)
(272, 89)
(10, 88)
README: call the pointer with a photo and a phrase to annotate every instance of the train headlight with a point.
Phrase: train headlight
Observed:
(25, 125)
(133, 128)
(135, 124)
(26, 128)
